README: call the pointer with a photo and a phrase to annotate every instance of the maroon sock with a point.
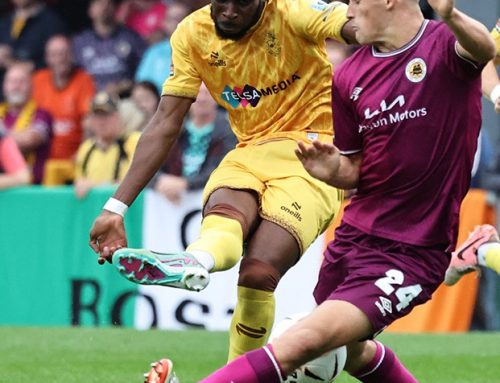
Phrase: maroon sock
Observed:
(385, 367)
(258, 366)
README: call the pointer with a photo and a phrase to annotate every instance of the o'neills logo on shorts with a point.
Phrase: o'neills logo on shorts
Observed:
(250, 95)
(293, 213)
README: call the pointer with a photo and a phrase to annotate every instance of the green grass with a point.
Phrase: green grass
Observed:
(54, 355)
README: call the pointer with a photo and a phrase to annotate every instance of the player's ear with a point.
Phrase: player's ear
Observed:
(389, 4)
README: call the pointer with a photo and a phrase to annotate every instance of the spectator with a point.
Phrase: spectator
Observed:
(205, 140)
(30, 126)
(155, 64)
(144, 17)
(27, 28)
(65, 91)
(108, 51)
(13, 168)
(146, 97)
(104, 158)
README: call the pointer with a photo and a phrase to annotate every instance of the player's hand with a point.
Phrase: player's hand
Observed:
(444, 8)
(321, 160)
(107, 235)
(497, 105)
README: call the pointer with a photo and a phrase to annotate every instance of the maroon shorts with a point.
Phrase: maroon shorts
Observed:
(383, 278)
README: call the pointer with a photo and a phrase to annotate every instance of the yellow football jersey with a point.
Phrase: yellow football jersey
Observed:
(274, 82)
(496, 36)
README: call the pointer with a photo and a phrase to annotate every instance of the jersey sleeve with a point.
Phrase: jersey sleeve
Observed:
(347, 138)
(462, 67)
(317, 20)
(183, 80)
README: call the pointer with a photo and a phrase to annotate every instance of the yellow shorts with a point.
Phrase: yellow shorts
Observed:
(289, 196)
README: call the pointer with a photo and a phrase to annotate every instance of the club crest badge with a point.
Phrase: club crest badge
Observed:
(272, 44)
(416, 70)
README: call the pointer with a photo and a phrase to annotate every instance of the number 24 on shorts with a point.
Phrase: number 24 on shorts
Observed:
(405, 295)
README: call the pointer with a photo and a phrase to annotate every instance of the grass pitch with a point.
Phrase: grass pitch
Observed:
(77, 355)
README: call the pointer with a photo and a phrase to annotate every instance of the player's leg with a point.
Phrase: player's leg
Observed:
(230, 214)
(330, 325)
(295, 210)
(372, 362)
(229, 217)
(481, 248)
(385, 280)
(271, 251)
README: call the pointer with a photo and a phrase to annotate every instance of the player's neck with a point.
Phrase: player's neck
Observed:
(399, 33)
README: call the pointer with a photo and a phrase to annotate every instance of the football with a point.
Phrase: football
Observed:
(323, 369)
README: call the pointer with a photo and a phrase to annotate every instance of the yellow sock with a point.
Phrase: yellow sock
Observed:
(252, 321)
(492, 259)
(222, 238)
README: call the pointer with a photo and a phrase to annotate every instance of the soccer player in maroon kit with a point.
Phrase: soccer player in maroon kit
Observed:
(407, 114)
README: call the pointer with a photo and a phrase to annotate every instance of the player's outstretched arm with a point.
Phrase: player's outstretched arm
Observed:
(108, 232)
(491, 85)
(475, 41)
(324, 162)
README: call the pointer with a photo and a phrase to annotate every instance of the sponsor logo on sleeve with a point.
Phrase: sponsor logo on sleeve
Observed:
(318, 5)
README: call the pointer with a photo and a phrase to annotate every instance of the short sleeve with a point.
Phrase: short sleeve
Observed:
(183, 80)
(462, 67)
(317, 20)
(347, 138)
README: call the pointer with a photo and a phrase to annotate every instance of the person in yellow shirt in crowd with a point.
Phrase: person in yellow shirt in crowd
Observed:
(22, 117)
(265, 62)
(104, 158)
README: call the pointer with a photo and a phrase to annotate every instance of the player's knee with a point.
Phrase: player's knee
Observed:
(258, 275)
(359, 354)
(229, 211)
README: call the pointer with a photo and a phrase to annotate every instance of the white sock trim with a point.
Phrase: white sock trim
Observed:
(483, 249)
(378, 363)
(205, 259)
(273, 360)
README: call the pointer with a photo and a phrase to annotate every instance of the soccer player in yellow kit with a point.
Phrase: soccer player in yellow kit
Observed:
(482, 247)
(265, 62)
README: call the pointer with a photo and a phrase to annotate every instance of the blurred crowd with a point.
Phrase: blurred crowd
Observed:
(81, 79)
